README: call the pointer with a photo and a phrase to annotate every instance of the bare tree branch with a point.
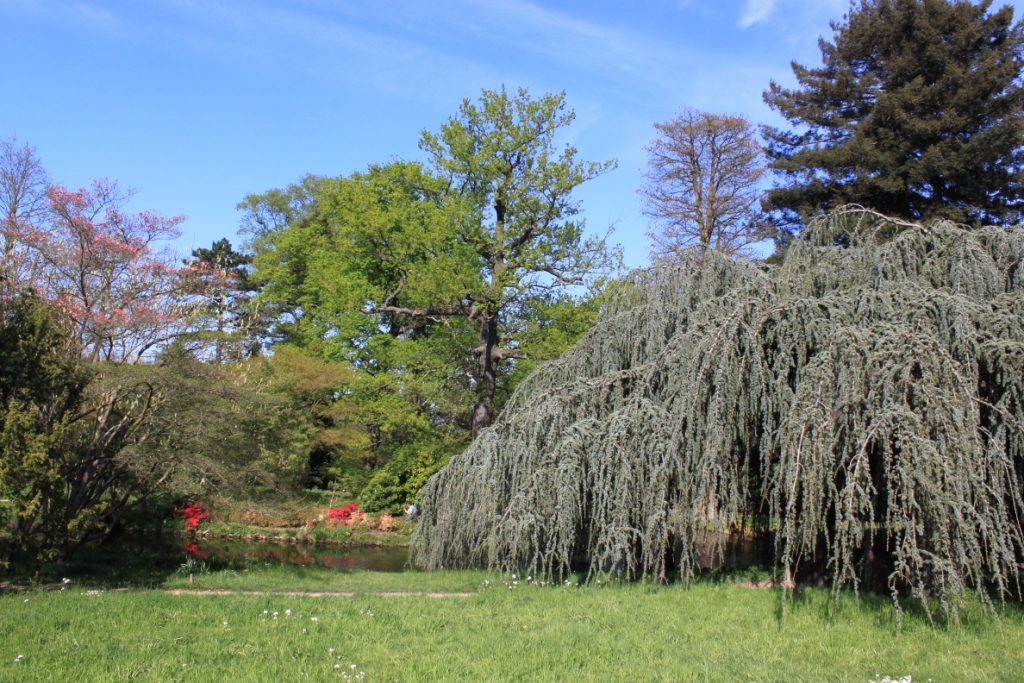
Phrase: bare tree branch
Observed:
(702, 184)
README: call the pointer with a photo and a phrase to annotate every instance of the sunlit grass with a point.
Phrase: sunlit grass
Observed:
(710, 632)
(296, 578)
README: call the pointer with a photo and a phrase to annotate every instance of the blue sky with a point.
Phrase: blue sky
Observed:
(200, 102)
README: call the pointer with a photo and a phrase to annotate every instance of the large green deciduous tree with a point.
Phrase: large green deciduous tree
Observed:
(433, 280)
(515, 218)
(320, 262)
(916, 112)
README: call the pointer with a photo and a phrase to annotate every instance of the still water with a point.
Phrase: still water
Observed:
(371, 558)
(712, 551)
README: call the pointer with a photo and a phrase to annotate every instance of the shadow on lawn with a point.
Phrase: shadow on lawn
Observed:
(153, 562)
(150, 561)
(110, 568)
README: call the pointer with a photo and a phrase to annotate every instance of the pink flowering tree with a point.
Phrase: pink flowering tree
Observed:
(92, 421)
(103, 267)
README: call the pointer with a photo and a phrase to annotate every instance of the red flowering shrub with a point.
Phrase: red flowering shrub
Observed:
(193, 513)
(192, 548)
(343, 514)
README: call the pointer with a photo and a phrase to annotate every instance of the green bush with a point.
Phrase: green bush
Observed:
(402, 478)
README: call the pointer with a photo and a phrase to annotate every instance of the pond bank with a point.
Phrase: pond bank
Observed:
(286, 536)
(211, 548)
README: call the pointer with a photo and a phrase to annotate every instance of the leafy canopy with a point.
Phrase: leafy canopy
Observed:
(439, 284)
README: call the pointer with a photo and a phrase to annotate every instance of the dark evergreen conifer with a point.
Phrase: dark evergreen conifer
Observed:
(916, 112)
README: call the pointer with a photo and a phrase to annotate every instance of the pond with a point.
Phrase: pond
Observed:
(714, 550)
(348, 558)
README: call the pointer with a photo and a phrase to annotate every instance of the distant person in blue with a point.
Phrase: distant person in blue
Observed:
(411, 511)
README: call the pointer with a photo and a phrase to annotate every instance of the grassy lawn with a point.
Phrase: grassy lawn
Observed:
(710, 632)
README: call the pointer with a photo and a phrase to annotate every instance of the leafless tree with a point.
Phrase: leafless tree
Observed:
(23, 186)
(702, 184)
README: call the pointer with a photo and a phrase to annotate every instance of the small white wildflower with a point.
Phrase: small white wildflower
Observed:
(287, 612)
(352, 666)
(337, 666)
(304, 631)
(65, 580)
(18, 658)
(314, 619)
(26, 599)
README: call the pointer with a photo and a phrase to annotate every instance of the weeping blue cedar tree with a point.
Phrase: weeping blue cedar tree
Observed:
(857, 400)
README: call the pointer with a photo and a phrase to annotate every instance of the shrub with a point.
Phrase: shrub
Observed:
(343, 514)
(402, 478)
(193, 513)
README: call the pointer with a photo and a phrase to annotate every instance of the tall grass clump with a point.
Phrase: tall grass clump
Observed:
(862, 402)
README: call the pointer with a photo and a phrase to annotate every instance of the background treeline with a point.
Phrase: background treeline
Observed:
(367, 327)
(370, 327)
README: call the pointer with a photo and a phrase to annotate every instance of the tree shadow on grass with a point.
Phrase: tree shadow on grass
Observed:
(971, 613)
(138, 564)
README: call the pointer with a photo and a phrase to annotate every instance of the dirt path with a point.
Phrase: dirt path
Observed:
(319, 594)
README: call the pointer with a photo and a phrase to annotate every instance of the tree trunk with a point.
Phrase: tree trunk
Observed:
(487, 379)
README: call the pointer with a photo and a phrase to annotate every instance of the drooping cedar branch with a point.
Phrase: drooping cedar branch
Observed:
(862, 396)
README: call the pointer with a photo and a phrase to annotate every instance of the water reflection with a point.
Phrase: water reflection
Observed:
(345, 558)
(713, 550)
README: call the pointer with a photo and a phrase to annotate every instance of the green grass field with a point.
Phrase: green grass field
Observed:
(710, 632)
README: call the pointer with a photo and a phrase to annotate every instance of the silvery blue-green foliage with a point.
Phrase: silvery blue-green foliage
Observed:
(866, 393)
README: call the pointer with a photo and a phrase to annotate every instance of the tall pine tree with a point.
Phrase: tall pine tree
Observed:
(916, 112)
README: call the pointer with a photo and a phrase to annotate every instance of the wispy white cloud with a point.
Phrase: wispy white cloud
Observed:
(83, 14)
(441, 46)
(96, 15)
(614, 51)
(755, 11)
